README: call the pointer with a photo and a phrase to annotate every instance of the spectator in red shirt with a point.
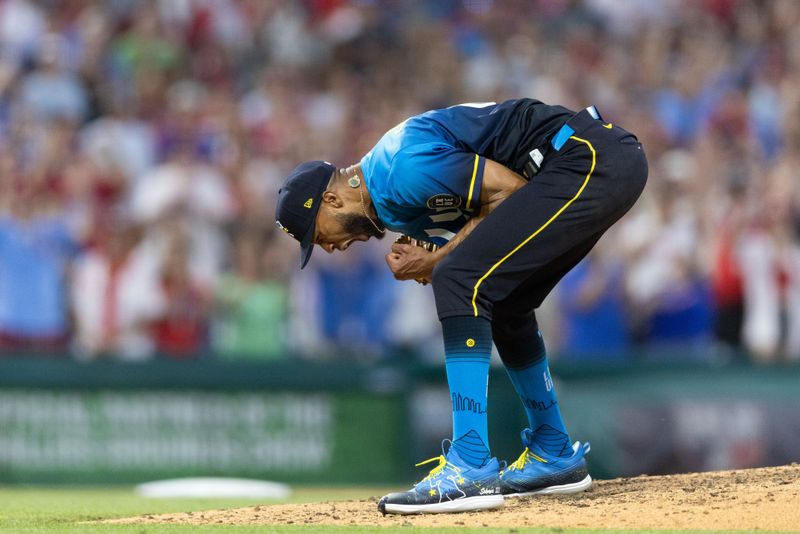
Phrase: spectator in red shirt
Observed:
(182, 331)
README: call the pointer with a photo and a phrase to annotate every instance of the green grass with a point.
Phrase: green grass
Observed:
(65, 511)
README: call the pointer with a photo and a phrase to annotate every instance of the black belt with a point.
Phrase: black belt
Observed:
(562, 135)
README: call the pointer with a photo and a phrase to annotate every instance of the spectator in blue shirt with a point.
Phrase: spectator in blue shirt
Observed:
(35, 248)
(592, 303)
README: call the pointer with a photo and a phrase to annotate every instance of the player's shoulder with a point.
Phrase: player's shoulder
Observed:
(416, 163)
(401, 150)
(398, 177)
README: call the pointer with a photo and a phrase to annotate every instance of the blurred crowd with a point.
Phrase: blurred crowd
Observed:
(142, 143)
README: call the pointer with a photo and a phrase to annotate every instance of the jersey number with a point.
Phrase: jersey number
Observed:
(445, 215)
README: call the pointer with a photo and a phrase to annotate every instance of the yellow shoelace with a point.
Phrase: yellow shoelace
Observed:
(438, 469)
(523, 460)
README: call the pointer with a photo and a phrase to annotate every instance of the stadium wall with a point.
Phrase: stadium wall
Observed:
(63, 421)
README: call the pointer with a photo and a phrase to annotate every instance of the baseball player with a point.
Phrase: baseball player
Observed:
(510, 196)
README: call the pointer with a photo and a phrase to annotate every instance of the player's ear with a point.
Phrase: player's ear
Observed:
(331, 198)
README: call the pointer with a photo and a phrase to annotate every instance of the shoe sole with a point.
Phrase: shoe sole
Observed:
(575, 487)
(467, 504)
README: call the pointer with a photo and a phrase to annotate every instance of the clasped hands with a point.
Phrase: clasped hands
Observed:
(410, 262)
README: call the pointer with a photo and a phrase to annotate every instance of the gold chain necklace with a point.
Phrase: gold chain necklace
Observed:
(364, 209)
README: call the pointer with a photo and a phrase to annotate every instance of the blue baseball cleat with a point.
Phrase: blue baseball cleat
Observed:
(536, 472)
(451, 486)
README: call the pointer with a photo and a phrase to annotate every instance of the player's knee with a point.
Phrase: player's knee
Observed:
(449, 286)
(513, 325)
(517, 338)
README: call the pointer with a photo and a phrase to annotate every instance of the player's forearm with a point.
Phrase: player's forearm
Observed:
(413, 263)
(457, 239)
(410, 261)
(467, 229)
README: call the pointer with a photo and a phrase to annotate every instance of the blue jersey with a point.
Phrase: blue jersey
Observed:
(425, 175)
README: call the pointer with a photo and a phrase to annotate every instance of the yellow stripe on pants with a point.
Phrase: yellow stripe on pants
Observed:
(539, 230)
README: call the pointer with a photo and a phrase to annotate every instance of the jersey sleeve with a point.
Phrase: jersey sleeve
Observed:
(437, 176)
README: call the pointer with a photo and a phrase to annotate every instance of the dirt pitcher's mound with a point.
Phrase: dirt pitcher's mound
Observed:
(764, 499)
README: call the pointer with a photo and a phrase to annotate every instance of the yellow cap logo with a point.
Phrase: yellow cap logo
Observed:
(470, 342)
(308, 203)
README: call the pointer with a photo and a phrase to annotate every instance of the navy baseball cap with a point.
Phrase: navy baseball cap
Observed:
(299, 199)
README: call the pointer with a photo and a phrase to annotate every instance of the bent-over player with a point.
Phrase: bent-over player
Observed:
(514, 195)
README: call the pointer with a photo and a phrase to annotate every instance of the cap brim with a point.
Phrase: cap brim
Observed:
(307, 246)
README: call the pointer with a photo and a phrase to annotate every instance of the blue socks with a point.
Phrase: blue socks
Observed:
(468, 348)
(534, 386)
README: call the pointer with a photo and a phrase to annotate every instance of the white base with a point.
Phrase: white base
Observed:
(467, 504)
(575, 487)
(212, 487)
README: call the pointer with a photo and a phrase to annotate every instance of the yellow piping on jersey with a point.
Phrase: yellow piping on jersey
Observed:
(472, 182)
(539, 230)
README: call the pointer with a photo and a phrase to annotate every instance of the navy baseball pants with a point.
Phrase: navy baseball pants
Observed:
(509, 263)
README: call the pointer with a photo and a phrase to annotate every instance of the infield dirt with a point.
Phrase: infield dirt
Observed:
(763, 499)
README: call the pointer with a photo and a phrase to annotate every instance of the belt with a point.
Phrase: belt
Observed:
(566, 131)
(559, 139)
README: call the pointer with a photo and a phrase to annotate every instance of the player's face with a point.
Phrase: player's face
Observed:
(337, 229)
